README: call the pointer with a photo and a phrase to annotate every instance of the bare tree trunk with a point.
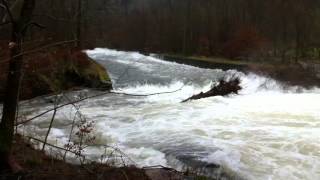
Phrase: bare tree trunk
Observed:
(79, 25)
(186, 29)
(298, 34)
(10, 99)
(13, 84)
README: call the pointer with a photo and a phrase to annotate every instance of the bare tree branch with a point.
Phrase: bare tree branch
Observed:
(39, 49)
(61, 106)
(94, 96)
(51, 122)
(53, 17)
(32, 24)
(144, 95)
(5, 23)
(2, 6)
(7, 8)
(57, 147)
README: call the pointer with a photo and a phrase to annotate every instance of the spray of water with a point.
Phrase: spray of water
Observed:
(268, 131)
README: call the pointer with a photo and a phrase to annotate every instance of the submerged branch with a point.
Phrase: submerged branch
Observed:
(222, 89)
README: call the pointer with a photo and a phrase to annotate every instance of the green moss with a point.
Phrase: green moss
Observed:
(69, 74)
(53, 83)
(97, 71)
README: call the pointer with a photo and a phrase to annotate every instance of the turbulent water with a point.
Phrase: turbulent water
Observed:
(267, 132)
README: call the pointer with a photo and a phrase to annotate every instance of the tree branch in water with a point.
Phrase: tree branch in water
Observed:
(222, 89)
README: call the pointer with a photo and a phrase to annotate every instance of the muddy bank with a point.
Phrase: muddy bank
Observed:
(202, 62)
(37, 166)
(304, 73)
(289, 74)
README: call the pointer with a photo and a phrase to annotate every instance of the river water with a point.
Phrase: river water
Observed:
(268, 131)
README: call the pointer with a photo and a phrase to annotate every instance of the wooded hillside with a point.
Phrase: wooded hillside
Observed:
(248, 29)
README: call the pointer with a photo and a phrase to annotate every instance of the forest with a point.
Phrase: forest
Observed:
(246, 29)
(159, 89)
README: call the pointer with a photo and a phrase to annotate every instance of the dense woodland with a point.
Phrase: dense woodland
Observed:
(41, 43)
(248, 29)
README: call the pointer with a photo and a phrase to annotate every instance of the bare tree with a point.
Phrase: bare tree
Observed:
(19, 16)
(79, 24)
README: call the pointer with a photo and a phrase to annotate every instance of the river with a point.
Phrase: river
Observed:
(268, 131)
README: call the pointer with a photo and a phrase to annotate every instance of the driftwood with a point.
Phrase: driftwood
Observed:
(222, 89)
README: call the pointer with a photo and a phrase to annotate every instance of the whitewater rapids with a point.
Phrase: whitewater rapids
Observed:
(267, 132)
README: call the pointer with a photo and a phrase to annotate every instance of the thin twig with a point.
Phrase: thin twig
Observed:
(124, 174)
(94, 96)
(2, 6)
(152, 94)
(49, 129)
(5, 23)
(53, 17)
(54, 146)
(39, 49)
(32, 24)
(5, 4)
(61, 106)
(70, 135)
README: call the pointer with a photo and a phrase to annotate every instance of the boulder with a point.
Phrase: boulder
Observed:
(56, 71)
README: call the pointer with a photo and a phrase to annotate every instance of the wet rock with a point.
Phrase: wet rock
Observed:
(57, 71)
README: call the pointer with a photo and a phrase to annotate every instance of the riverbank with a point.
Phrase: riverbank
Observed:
(213, 130)
(54, 71)
(302, 73)
(38, 165)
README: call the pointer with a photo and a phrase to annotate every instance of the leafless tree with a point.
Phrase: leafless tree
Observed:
(20, 18)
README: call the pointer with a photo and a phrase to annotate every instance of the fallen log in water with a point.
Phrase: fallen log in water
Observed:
(222, 89)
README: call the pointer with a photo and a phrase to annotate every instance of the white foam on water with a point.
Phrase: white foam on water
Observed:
(176, 92)
(268, 131)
